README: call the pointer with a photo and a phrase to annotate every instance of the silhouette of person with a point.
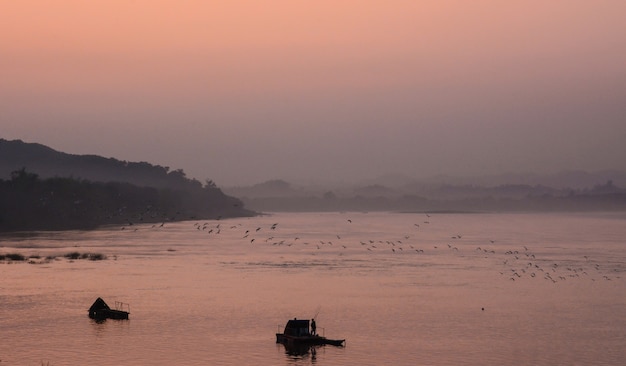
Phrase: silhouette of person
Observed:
(313, 327)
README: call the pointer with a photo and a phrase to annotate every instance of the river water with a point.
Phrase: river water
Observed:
(401, 288)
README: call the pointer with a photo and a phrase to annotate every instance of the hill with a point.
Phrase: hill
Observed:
(43, 189)
(49, 163)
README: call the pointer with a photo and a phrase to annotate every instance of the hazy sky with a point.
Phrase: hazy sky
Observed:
(245, 91)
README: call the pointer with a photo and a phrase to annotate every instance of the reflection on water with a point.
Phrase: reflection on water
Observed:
(299, 351)
(308, 354)
(400, 290)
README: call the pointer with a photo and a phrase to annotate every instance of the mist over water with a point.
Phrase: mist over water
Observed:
(402, 289)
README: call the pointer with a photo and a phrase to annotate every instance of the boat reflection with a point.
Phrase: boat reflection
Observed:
(301, 350)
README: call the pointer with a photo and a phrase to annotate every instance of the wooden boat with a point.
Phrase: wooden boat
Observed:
(99, 310)
(297, 333)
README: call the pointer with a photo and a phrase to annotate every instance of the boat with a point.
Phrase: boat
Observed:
(297, 333)
(99, 310)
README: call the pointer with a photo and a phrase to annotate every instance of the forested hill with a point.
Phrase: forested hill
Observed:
(49, 190)
(48, 163)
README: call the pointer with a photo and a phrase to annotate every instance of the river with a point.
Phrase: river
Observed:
(401, 288)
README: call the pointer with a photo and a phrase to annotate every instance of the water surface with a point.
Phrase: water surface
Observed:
(402, 289)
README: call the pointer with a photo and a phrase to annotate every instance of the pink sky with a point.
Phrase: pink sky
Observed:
(245, 91)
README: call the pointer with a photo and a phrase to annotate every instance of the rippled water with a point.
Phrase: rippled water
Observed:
(402, 289)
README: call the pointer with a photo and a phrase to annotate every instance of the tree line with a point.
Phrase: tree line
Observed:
(28, 202)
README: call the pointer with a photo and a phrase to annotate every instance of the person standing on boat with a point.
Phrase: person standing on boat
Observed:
(313, 327)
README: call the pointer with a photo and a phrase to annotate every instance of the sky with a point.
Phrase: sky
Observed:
(241, 92)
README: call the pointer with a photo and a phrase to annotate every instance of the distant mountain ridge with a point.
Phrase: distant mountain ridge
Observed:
(443, 188)
(566, 179)
(587, 192)
(574, 179)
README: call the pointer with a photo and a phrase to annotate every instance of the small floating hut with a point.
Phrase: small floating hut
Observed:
(100, 310)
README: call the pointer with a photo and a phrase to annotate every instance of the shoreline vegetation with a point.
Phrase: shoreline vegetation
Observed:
(28, 203)
(15, 257)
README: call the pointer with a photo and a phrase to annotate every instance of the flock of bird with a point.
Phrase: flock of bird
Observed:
(513, 264)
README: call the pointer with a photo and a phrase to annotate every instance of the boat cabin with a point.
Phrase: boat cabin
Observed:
(297, 328)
